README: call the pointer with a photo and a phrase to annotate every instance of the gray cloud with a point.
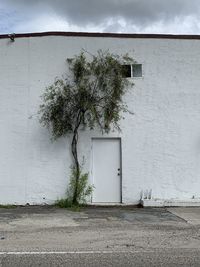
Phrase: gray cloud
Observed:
(135, 14)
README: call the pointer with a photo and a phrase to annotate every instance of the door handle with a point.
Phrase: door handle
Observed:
(118, 171)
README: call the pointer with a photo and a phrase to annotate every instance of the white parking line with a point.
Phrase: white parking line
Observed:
(65, 252)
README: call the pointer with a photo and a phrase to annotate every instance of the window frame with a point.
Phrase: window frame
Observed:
(131, 71)
(136, 77)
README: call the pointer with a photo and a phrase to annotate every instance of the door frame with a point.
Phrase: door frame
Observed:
(120, 159)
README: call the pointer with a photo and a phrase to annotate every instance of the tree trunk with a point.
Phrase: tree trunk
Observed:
(77, 166)
(75, 156)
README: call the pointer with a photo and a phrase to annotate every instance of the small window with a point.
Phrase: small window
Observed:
(131, 71)
(126, 69)
(137, 70)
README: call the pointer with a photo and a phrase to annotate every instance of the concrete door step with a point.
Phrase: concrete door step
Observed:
(170, 202)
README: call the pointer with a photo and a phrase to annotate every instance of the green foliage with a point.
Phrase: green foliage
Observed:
(8, 206)
(63, 203)
(84, 191)
(91, 95)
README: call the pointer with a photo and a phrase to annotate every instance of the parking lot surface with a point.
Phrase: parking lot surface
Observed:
(99, 236)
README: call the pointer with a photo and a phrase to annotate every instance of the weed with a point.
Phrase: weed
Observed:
(7, 206)
(84, 190)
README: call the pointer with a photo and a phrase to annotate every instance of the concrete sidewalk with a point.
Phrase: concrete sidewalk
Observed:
(190, 214)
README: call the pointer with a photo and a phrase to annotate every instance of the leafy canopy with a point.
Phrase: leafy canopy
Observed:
(90, 96)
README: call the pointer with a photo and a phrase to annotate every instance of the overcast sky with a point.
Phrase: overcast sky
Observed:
(129, 16)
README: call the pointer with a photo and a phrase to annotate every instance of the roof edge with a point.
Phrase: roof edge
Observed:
(98, 34)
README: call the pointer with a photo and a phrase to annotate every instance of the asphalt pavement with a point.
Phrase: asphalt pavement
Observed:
(97, 236)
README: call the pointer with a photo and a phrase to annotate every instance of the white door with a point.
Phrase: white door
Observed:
(106, 170)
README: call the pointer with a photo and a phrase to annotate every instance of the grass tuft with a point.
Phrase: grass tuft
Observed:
(7, 206)
(65, 203)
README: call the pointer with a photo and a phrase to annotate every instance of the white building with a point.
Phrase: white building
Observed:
(158, 151)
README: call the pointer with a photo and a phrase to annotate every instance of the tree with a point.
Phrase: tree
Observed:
(91, 96)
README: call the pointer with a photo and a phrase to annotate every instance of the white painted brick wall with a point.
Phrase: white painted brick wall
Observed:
(160, 143)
